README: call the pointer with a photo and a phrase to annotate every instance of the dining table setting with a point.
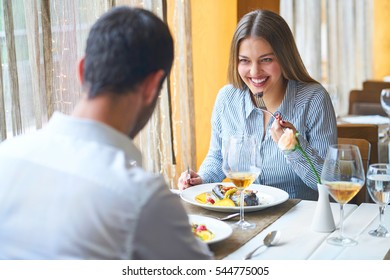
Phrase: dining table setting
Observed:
(292, 219)
(242, 220)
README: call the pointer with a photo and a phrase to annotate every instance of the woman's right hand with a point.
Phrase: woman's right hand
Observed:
(186, 181)
(277, 127)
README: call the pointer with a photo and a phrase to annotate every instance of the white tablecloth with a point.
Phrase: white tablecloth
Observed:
(299, 242)
(378, 120)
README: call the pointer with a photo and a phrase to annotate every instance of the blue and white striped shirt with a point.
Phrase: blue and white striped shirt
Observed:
(307, 106)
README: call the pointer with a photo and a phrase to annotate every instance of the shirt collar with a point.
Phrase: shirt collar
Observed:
(249, 106)
(94, 131)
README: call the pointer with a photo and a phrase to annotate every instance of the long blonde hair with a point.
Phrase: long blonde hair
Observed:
(274, 29)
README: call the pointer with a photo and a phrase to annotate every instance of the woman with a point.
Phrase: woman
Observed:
(264, 59)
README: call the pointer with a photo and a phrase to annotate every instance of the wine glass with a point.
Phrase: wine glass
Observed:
(385, 103)
(378, 185)
(343, 177)
(241, 165)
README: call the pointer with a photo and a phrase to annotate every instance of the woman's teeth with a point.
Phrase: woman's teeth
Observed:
(258, 81)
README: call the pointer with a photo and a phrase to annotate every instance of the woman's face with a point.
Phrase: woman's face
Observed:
(258, 66)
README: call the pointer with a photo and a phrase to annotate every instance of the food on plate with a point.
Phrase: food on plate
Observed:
(250, 197)
(227, 202)
(202, 232)
(228, 196)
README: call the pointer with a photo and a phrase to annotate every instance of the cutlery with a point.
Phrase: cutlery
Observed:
(229, 216)
(188, 174)
(272, 238)
(260, 103)
(258, 97)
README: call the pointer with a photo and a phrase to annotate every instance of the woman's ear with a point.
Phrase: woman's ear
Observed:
(80, 70)
(152, 86)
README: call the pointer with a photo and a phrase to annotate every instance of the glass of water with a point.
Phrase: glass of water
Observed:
(378, 185)
(385, 102)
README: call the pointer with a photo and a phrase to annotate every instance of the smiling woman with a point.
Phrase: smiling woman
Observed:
(264, 58)
(317, 29)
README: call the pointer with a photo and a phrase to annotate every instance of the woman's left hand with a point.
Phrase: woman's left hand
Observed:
(277, 126)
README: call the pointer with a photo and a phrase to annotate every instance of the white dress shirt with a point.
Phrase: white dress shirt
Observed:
(71, 191)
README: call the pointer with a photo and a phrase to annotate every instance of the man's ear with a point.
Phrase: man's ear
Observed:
(151, 86)
(80, 70)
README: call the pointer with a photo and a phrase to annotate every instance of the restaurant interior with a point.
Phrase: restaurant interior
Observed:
(345, 46)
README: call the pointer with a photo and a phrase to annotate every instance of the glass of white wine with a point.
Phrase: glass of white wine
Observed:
(378, 185)
(343, 176)
(241, 164)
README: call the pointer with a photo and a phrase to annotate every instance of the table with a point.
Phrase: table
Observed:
(299, 242)
(383, 126)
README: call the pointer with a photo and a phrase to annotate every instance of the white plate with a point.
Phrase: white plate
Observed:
(268, 196)
(221, 230)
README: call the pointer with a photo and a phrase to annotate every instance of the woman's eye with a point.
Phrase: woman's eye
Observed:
(243, 60)
(266, 59)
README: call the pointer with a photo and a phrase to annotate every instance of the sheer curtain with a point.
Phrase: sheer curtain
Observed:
(334, 39)
(41, 42)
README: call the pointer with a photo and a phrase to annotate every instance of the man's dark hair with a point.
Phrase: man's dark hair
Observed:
(124, 46)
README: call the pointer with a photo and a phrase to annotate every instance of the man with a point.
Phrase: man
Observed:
(75, 189)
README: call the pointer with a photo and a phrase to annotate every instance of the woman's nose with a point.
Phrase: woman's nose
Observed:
(255, 69)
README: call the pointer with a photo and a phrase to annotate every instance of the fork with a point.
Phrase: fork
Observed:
(260, 103)
(188, 174)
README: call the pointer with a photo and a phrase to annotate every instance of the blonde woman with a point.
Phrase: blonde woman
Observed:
(264, 59)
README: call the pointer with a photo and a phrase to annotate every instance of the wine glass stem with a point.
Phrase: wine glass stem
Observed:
(389, 124)
(241, 206)
(381, 212)
(341, 221)
(387, 130)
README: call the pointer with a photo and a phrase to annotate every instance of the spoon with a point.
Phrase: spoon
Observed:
(270, 239)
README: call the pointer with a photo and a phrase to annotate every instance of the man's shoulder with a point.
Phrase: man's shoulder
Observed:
(19, 143)
(140, 180)
(143, 177)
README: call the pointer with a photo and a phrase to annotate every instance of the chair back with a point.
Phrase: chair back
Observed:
(365, 152)
(364, 102)
(375, 86)
(361, 131)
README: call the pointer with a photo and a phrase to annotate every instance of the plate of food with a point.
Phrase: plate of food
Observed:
(224, 197)
(209, 230)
